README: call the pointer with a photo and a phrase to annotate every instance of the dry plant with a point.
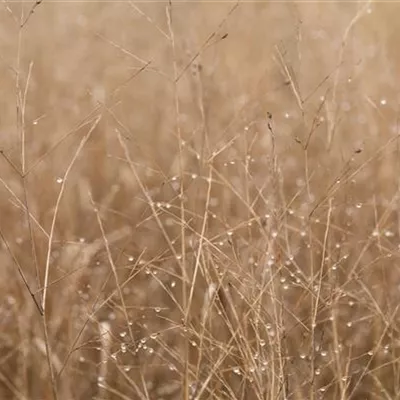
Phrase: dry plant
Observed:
(199, 200)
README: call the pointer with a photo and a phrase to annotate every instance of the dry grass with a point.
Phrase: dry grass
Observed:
(199, 200)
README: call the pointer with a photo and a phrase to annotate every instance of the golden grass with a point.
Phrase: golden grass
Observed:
(199, 200)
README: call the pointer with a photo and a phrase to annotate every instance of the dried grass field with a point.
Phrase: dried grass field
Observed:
(199, 200)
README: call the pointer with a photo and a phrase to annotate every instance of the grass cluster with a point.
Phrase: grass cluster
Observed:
(199, 200)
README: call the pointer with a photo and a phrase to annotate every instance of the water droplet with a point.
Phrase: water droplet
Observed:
(157, 309)
(383, 102)
(127, 368)
(173, 284)
(59, 180)
(236, 370)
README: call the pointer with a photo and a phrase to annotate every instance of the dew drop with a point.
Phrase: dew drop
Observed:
(236, 370)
